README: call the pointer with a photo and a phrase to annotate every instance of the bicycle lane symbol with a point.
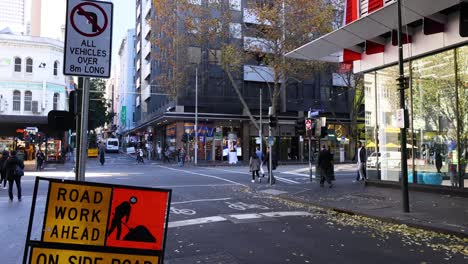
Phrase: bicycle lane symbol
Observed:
(240, 206)
(182, 211)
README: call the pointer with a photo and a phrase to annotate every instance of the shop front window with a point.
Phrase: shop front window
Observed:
(434, 119)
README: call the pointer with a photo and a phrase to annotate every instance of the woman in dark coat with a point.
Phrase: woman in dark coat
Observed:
(10, 168)
(254, 165)
(438, 161)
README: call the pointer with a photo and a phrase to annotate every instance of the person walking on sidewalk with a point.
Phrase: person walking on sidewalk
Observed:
(324, 162)
(181, 155)
(254, 165)
(14, 168)
(360, 157)
(3, 160)
(260, 158)
(102, 153)
(39, 160)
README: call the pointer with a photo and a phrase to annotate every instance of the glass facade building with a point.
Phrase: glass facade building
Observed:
(437, 103)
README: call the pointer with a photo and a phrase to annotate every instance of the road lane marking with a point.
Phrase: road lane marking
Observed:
(202, 174)
(213, 219)
(197, 221)
(202, 200)
(239, 172)
(195, 185)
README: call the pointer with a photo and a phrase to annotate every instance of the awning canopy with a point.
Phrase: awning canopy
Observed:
(330, 46)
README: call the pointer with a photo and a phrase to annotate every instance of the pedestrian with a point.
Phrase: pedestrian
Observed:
(182, 155)
(260, 157)
(360, 156)
(14, 168)
(438, 160)
(3, 160)
(39, 160)
(139, 157)
(274, 164)
(324, 163)
(102, 153)
(452, 167)
(254, 165)
(159, 151)
(166, 154)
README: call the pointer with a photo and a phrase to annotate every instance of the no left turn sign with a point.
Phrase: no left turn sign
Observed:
(91, 12)
(88, 38)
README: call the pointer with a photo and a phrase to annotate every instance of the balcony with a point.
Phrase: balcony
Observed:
(147, 51)
(147, 8)
(138, 64)
(146, 71)
(138, 10)
(255, 73)
(146, 92)
(251, 18)
(138, 83)
(258, 45)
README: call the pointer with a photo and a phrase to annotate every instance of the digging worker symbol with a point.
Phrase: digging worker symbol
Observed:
(121, 211)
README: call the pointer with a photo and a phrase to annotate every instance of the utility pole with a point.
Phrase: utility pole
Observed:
(260, 132)
(401, 84)
(196, 117)
(81, 163)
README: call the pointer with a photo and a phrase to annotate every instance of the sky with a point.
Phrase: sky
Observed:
(124, 19)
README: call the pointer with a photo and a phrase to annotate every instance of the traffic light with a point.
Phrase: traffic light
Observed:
(61, 120)
(273, 121)
(74, 102)
(323, 132)
(300, 126)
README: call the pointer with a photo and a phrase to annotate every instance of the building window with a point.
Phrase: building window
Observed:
(56, 64)
(368, 118)
(56, 99)
(235, 4)
(235, 30)
(27, 101)
(194, 55)
(16, 101)
(29, 65)
(214, 56)
(17, 64)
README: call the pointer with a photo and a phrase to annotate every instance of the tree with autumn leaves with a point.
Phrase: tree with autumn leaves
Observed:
(282, 25)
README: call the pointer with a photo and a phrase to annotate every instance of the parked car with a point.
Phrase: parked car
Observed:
(388, 159)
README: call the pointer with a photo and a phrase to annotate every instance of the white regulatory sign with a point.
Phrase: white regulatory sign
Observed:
(88, 38)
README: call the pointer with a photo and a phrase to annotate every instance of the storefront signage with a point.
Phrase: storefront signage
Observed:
(100, 223)
(88, 38)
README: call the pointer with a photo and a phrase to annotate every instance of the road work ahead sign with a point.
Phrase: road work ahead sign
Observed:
(88, 39)
(98, 223)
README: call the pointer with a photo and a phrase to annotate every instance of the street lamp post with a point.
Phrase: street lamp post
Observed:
(196, 116)
(260, 132)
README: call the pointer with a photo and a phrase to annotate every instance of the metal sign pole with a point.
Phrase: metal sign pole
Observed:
(310, 158)
(84, 131)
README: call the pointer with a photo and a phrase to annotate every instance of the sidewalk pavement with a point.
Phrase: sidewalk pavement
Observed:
(431, 211)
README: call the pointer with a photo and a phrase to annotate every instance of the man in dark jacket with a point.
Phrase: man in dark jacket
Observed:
(10, 168)
(3, 160)
(324, 163)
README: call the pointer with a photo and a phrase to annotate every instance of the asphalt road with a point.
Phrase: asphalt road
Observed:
(219, 216)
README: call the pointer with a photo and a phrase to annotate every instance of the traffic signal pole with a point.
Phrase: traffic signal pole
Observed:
(404, 159)
(83, 143)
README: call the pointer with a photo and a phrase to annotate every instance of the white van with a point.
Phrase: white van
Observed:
(112, 145)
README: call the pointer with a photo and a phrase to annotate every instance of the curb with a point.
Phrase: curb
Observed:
(383, 219)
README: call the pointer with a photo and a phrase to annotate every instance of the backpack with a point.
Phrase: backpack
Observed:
(19, 172)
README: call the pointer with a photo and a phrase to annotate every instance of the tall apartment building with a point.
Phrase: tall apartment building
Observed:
(223, 125)
(14, 15)
(43, 23)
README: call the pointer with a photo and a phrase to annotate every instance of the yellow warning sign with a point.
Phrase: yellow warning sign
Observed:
(62, 256)
(77, 214)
